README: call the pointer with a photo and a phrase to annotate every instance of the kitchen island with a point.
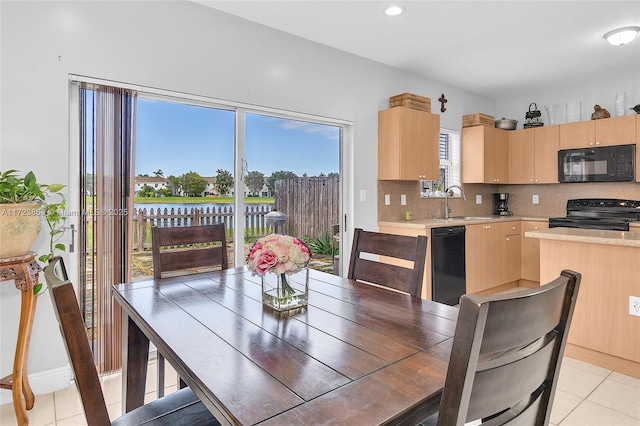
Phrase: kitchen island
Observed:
(603, 332)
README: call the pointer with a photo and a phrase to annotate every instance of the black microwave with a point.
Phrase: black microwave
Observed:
(601, 164)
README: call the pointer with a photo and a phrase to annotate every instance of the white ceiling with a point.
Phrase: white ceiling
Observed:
(492, 48)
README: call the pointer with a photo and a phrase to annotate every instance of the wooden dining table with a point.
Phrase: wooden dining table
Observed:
(357, 354)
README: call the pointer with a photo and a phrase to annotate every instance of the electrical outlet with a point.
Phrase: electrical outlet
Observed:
(363, 195)
(478, 199)
(535, 199)
(387, 199)
(403, 200)
(634, 305)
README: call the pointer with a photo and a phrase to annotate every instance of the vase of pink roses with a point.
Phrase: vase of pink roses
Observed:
(281, 262)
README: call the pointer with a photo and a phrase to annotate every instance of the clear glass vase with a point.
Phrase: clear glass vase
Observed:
(286, 291)
(621, 104)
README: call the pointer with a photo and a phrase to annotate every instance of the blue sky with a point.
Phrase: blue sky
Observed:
(177, 138)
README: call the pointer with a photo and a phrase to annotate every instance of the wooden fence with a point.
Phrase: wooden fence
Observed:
(311, 204)
(254, 217)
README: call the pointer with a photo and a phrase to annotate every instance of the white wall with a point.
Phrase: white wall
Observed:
(184, 47)
(601, 91)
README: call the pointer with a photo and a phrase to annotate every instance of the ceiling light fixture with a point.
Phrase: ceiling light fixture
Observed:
(622, 35)
(394, 10)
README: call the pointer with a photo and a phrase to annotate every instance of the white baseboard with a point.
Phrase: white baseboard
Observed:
(43, 382)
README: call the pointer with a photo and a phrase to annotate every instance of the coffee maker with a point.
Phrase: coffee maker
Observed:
(500, 205)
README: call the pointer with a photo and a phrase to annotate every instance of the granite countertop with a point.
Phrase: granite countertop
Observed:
(456, 221)
(593, 236)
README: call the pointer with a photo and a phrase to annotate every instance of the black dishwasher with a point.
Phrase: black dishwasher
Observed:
(448, 273)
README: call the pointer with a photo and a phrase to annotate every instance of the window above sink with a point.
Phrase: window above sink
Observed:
(450, 166)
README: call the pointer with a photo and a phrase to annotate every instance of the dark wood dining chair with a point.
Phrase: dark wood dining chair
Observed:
(506, 355)
(179, 408)
(184, 249)
(363, 267)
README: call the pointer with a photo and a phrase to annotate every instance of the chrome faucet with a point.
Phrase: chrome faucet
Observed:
(446, 198)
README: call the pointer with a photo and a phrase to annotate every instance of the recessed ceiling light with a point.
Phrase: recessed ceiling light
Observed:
(394, 10)
(622, 35)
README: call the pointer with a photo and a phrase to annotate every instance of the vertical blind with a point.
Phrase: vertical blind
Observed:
(107, 127)
(449, 158)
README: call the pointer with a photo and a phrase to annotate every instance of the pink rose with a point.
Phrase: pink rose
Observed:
(265, 260)
(256, 246)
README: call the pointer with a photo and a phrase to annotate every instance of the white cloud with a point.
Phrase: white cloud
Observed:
(328, 132)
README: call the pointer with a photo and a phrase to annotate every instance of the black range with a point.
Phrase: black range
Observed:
(599, 213)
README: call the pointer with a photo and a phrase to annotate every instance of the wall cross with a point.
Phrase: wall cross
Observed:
(443, 101)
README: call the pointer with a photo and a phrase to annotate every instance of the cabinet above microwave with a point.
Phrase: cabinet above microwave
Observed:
(594, 133)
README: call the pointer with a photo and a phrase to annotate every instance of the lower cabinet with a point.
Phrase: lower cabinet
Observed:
(510, 252)
(530, 262)
(479, 262)
(493, 252)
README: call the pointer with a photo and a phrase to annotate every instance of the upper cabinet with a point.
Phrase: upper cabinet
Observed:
(485, 155)
(604, 132)
(408, 145)
(533, 155)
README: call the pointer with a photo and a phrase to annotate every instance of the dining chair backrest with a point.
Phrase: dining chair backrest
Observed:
(180, 408)
(195, 249)
(506, 355)
(386, 270)
(74, 335)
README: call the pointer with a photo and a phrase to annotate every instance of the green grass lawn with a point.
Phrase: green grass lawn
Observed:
(199, 200)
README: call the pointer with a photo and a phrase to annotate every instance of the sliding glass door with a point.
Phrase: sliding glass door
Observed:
(296, 165)
(177, 160)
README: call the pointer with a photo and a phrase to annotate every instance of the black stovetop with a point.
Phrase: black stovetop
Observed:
(599, 213)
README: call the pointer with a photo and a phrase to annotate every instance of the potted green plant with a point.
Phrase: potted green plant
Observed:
(22, 202)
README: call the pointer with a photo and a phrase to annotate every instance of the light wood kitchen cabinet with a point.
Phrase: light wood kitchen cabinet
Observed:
(530, 260)
(509, 252)
(479, 261)
(603, 132)
(485, 155)
(492, 252)
(602, 331)
(408, 145)
(533, 155)
(578, 135)
(616, 131)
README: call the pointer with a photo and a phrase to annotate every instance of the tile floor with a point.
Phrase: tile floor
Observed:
(586, 395)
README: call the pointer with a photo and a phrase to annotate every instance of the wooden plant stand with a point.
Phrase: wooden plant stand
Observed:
(24, 271)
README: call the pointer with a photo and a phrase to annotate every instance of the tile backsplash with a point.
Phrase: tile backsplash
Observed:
(552, 199)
